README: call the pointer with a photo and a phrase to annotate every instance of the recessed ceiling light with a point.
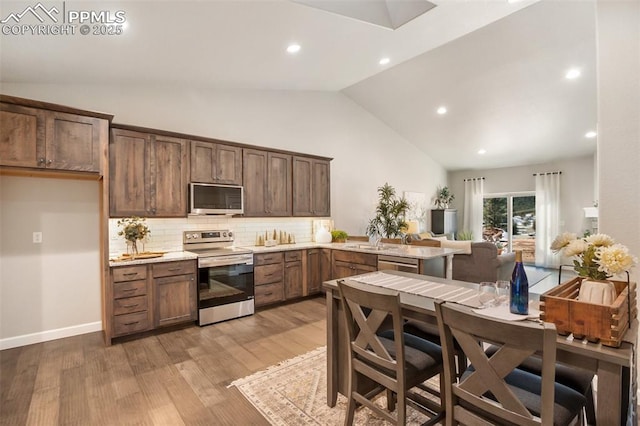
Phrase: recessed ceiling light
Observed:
(482, 151)
(384, 61)
(590, 134)
(442, 110)
(293, 48)
(573, 73)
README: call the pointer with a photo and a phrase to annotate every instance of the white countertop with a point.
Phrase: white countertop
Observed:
(409, 251)
(171, 256)
(415, 252)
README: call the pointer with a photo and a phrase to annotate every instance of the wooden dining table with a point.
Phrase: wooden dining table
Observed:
(614, 367)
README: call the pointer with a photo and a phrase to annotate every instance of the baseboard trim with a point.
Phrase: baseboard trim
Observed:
(45, 336)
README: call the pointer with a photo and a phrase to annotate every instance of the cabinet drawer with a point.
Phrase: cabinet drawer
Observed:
(166, 269)
(129, 288)
(267, 258)
(129, 273)
(293, 256)
(130, 323)
(270, 293)
(130, 305)
(354, 257)
(267, 274)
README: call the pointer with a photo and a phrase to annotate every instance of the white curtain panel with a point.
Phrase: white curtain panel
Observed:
(473, 205)
(547, 218)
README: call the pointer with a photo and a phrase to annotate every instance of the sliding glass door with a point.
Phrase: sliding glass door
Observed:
(509, 221)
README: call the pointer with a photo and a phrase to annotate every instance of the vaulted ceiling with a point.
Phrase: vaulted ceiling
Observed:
(497, 66)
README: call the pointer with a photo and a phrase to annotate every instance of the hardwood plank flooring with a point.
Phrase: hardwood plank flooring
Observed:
(174, 378)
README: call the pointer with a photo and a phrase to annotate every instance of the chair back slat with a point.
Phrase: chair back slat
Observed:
(516, 341)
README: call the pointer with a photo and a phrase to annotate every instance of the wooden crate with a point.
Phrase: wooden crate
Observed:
(603, 323)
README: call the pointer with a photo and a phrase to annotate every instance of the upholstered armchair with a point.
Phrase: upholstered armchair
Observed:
(483, 264)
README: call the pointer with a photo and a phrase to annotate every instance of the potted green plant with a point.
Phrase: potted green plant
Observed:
(133, 230)
(390, 220)
(444, 197)
(338, 236)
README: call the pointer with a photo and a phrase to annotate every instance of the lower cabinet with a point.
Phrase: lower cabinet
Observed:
(318, 269)
(175, 293)
(144, 297)
(293, 276)
(268, 278)
(346, 264)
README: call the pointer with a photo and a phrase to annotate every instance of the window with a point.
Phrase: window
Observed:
(509, 221)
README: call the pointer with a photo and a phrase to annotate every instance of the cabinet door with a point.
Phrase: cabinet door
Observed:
(292, 280)
(229, 164)
(254, 166)
(203, 158)
(278, 184)
(22, 136)
(320, 188)
(311, 187)
(169, 164)
(314, 273)
(130, 187)
(342, 269)
(73, 141)
(325, 265)
(175, 299)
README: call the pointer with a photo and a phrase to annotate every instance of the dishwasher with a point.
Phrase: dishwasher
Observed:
(397, 263)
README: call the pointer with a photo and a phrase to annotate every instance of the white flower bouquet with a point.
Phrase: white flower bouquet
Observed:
(598, 256)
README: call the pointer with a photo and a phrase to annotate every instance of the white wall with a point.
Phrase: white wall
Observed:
(366, 152)
(619, 122)
(577, 187)
(50, 289)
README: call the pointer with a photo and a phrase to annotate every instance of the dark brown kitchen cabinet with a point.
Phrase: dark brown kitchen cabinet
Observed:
(149, 296)
(175, 290)
(311, 187)
(268, 278)
(267, 183)
(130, 307)
(37, 138)
(345, 263)
(293, 276)
(216, 163)
(148, 174)
(318, 269)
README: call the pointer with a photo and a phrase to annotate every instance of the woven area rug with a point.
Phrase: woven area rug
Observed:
(294, 392)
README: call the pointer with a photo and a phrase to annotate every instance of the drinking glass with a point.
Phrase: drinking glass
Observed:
(487, 294)
(502, 290)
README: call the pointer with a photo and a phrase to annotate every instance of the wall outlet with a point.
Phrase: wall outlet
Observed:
(37, 237)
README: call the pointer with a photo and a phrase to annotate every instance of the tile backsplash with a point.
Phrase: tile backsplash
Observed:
(166, 234)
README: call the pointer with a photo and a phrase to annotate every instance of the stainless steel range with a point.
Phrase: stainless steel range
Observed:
(225, 276)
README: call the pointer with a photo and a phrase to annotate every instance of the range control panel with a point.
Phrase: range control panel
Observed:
(191, 237)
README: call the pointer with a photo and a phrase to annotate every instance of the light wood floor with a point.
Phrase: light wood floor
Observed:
(175, 378)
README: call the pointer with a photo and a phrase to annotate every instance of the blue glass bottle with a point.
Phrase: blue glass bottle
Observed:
(519, 300)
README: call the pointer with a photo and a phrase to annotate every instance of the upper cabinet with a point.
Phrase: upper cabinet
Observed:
(311, 187)
(148, 174)
(216, 163)
(46, 139)
(267, 183)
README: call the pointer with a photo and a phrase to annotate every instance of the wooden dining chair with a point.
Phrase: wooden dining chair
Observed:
(395, 362)
(493, 390)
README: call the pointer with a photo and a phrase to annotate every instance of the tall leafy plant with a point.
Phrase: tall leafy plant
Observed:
(389, 221)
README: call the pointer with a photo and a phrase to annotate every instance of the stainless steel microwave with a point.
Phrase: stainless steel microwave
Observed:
(206, 198)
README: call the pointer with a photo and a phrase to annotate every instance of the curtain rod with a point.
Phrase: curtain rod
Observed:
(547, 173)
(478, 178)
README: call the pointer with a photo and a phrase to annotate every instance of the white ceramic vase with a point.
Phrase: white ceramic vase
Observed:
(601, 292)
